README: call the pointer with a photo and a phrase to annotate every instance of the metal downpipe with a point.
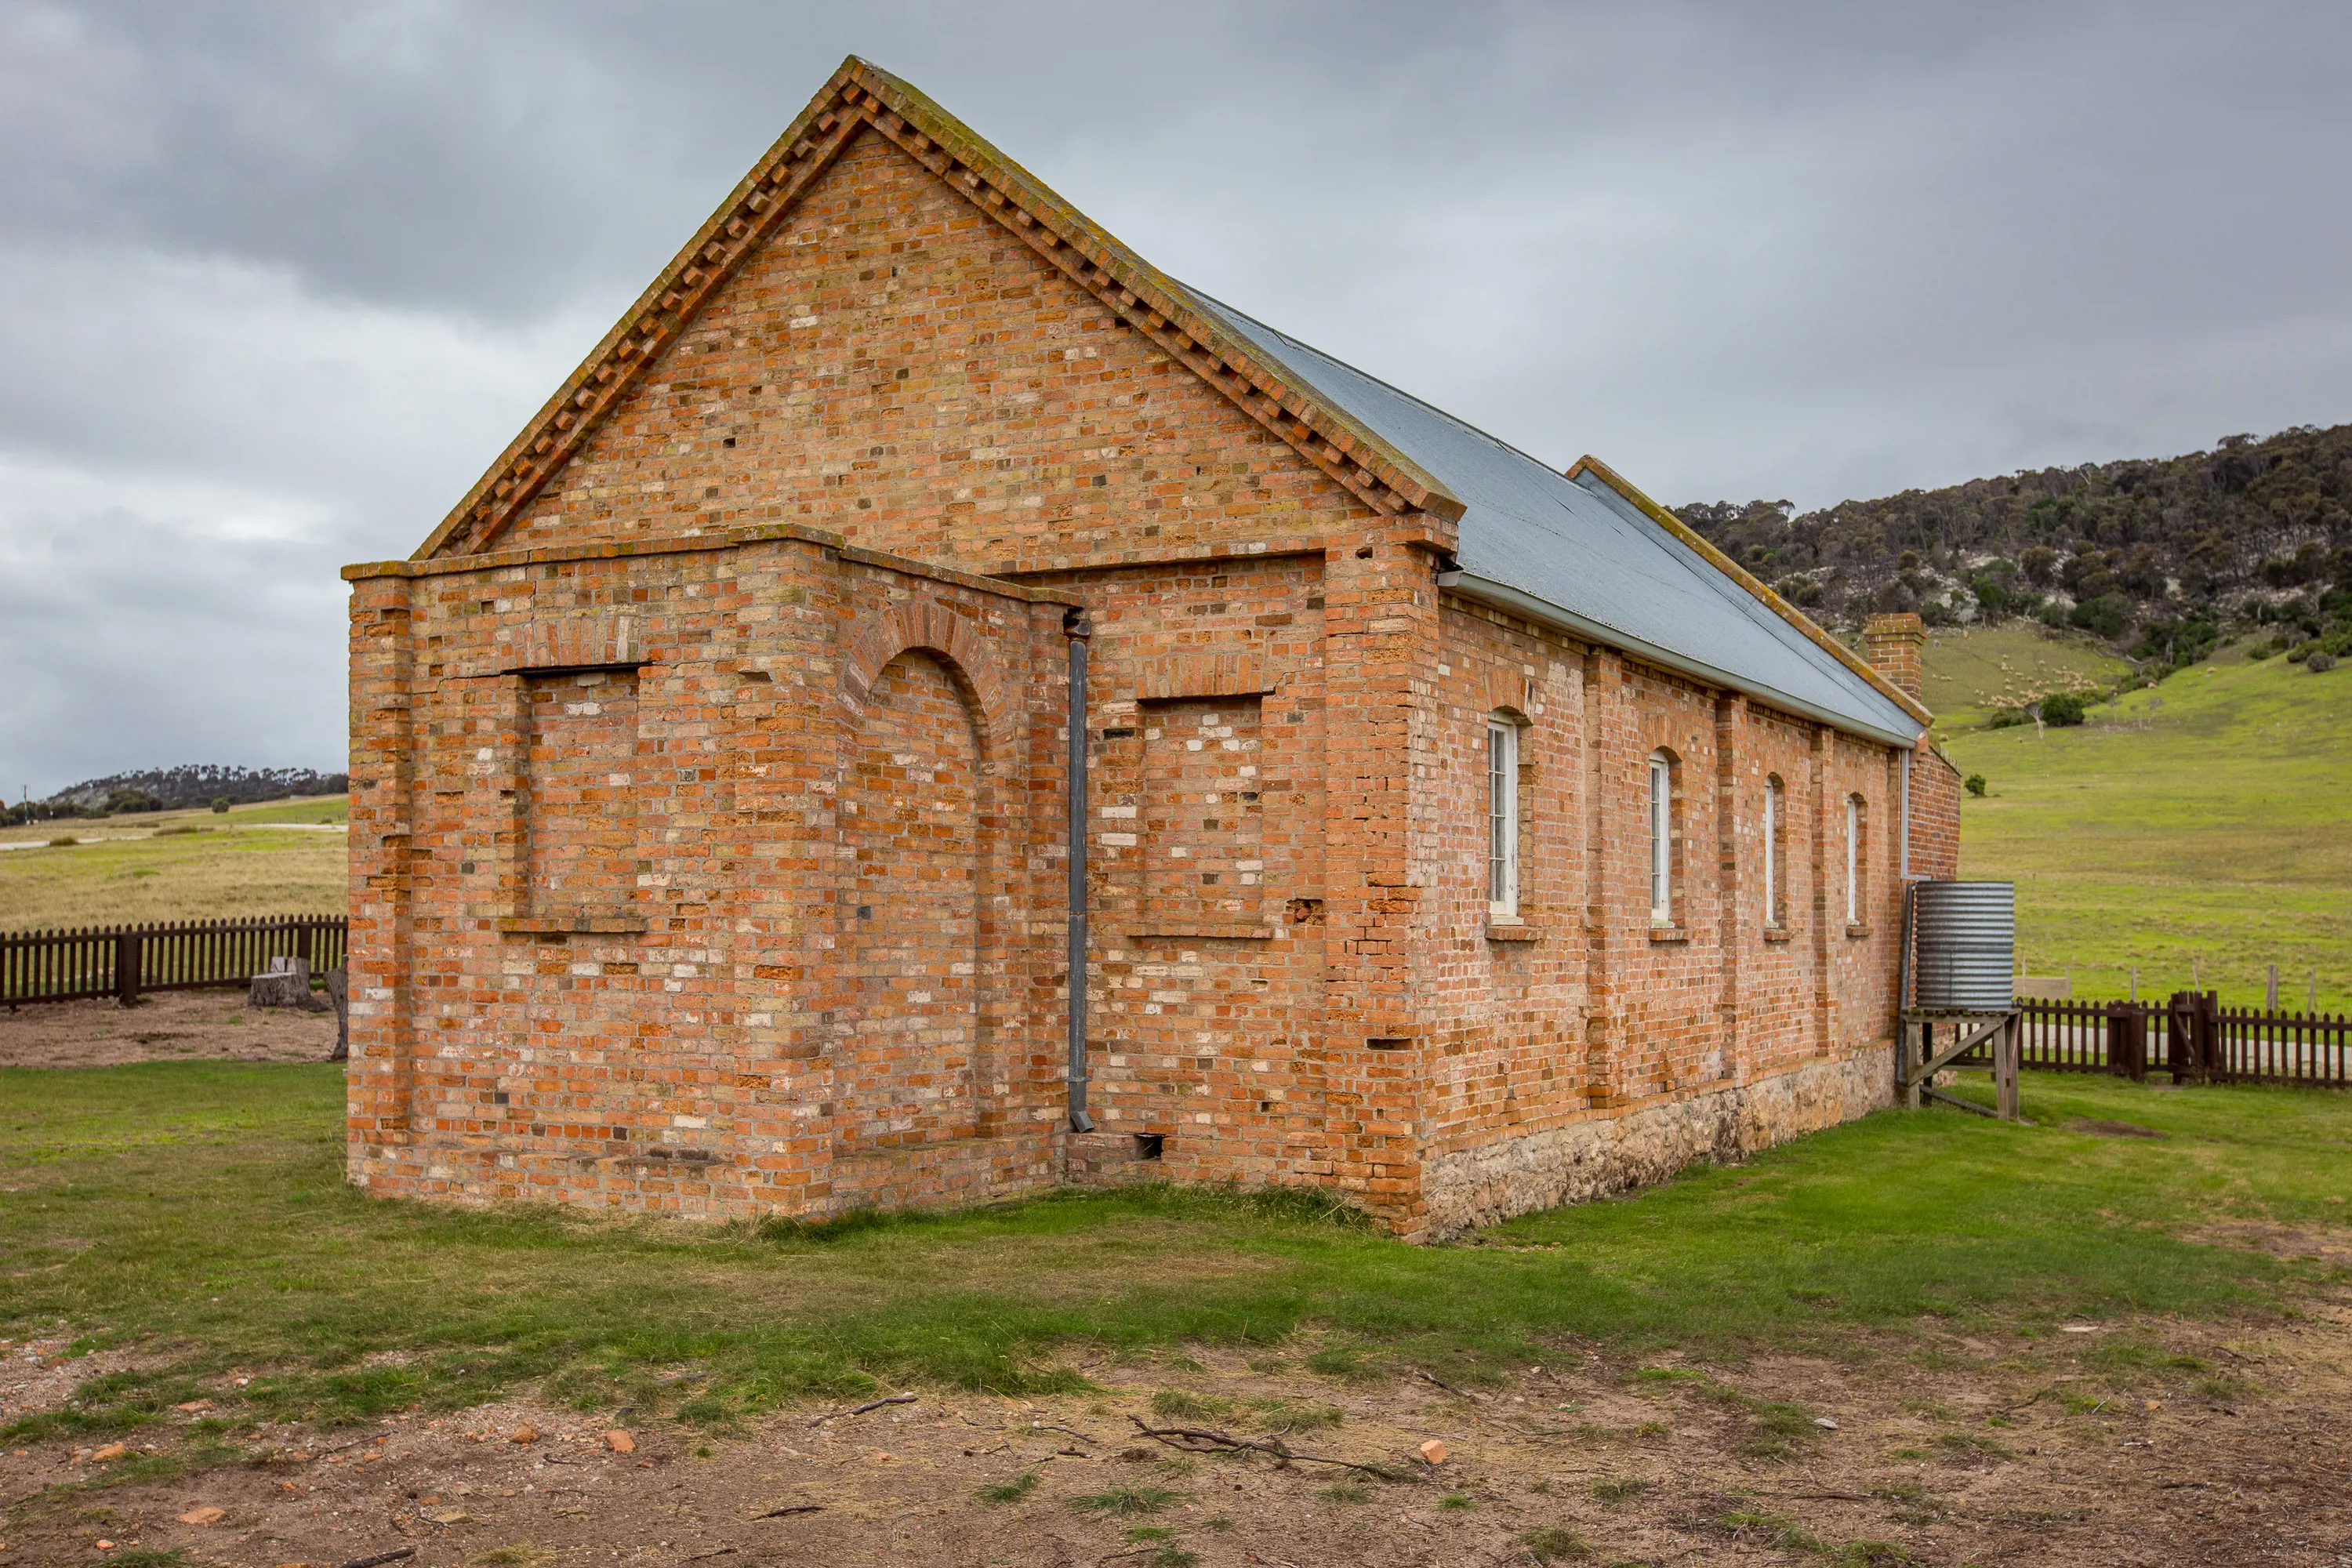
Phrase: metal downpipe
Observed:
(1074, 626)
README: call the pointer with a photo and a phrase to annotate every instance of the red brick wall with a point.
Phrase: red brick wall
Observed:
(721, 872)
(1602, 1013)
(896, 367)
(1934, 816)
(724, 1031)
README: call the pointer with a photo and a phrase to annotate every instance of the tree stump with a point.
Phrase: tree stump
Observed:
(285, 984)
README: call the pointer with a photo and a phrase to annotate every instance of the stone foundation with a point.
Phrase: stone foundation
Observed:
(1588, 1160)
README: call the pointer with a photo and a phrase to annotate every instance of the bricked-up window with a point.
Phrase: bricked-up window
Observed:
(1502, 819)
(1776, 909)
(1661, 838)
(1857, 857)
(580, 829)
(1203, 850)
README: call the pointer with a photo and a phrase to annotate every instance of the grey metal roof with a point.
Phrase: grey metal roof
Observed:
(1580, 549)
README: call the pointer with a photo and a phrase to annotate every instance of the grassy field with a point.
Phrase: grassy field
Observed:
(198, 1211)
(2199, 829)
(1970, 671)
(180, 864)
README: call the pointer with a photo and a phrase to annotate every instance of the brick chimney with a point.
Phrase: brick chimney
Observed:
(1895, 646)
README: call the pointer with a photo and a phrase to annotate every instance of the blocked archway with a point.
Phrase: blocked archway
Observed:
(910, 813)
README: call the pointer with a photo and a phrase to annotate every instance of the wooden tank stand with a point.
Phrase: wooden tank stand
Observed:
(1915, 1076)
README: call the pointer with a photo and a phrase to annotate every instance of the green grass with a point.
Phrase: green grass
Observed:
(198, 1210)
(2201, 829)
(177, 866)
(1972, 670)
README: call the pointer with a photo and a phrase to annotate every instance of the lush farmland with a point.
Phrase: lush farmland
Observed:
(2201, 829)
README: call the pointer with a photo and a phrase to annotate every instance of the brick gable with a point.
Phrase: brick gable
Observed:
(892, 367)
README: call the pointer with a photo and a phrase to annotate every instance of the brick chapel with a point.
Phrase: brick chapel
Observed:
(915, 586)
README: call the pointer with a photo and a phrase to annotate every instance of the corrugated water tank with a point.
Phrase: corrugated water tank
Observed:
(1967, 945)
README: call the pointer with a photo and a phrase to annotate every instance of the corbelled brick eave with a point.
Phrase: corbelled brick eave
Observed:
(858, 95)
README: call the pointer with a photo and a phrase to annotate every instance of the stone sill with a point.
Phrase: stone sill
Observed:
(1669, 933)
(1513, 930)
(1857, 930)
(574, 925)
(1778, 933)
(1229, 931)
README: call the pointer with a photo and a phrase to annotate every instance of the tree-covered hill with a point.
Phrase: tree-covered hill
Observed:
(190, 785)
(2149, 553)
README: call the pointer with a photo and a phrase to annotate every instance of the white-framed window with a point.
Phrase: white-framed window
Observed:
(1853, 861)
(1502, 819)
(1662, 839)
(1772, 871)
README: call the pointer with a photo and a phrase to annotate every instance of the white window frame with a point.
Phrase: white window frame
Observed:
(1853, 859)
(1662, 843)
(1772, 851)
(1502, 819)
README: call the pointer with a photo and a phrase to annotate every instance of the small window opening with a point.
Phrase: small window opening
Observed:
(1662, 841)
(1151, 1145)
(1502, 820)
(1775, 903)
(1854, 862)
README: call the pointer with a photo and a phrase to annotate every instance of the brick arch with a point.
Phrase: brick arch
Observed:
(933, 626)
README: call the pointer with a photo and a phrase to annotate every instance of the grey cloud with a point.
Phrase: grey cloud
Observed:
(291, 274)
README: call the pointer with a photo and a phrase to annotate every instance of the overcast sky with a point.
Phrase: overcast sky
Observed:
(284, 278)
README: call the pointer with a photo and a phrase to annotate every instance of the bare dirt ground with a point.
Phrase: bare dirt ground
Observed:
(170, 1026)
(1964, 1453)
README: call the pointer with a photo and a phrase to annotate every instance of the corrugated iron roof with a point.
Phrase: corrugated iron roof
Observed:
(1581, 548)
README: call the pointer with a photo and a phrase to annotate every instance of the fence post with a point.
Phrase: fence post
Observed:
(2005, 1046)
(126, 969)
(2209, 1029)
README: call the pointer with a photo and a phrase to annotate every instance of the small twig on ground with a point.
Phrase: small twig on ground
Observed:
(1050, 1427)
(381, 1558)
(1194, 1440)
(1828, 1497)
(2013, 1409)
(707, 1556)
(869, 1404)
(683, 1377)
(792, 1509)
(1432, 1377)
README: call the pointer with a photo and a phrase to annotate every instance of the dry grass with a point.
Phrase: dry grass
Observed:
(173, 866)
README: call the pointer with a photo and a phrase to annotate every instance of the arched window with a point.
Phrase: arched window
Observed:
(1857, 859)
(1661, 838)
(1776, 907)
(1502, 819)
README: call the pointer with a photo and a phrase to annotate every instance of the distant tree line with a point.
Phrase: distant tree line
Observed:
(175, 789)
(2157, 557)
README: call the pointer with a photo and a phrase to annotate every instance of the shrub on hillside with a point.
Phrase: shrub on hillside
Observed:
(2320, 663)
(220, 802)
(1976, 783)
(2063, 709)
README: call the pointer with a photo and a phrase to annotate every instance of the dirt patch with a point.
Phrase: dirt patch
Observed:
(171, 1026)
(2277, 1240)
(1924, 1453)
(2112, 1129)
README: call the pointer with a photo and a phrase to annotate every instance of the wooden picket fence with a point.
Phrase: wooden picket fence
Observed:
(2190, 1036)
(123, 962)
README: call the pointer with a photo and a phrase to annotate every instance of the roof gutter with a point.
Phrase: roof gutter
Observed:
(1502, 595)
